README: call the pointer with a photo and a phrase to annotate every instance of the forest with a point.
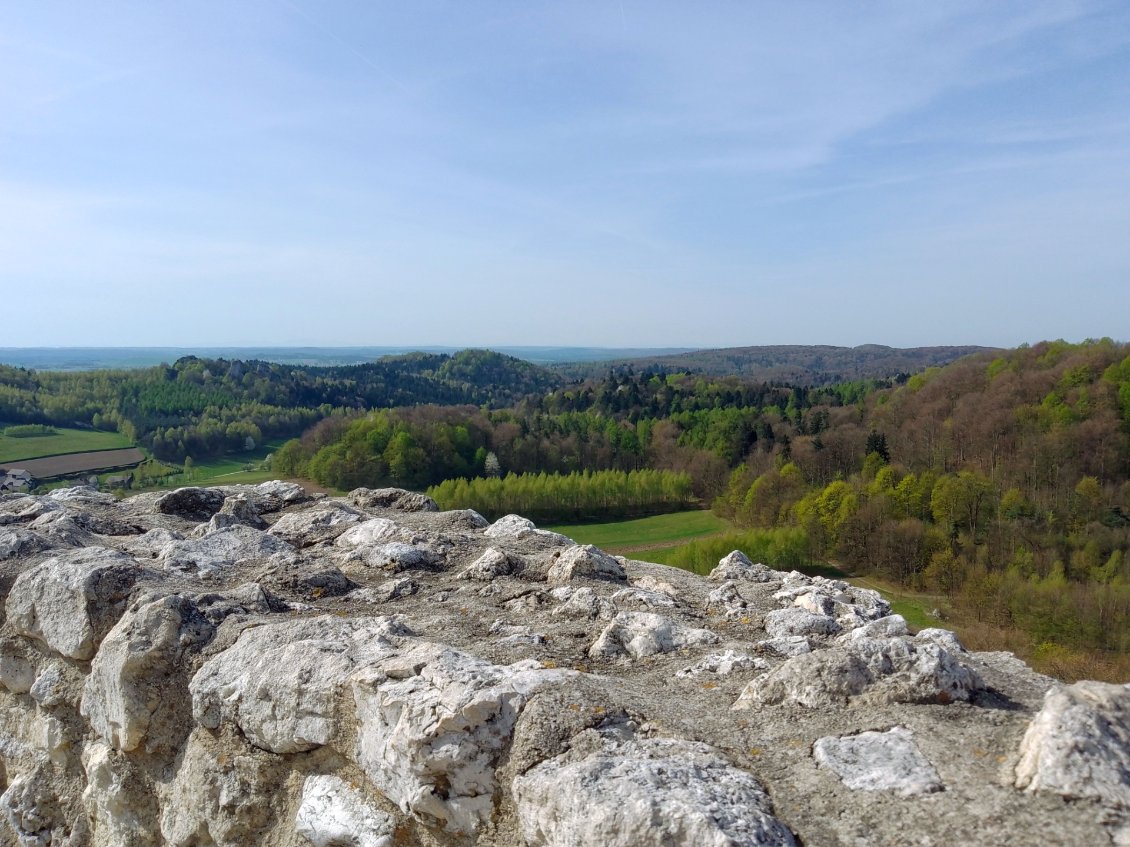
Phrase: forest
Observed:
(1001, 482)
(797, 364)
(206, 407)
(577, 496)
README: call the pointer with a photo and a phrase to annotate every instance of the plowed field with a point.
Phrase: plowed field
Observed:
(73, 463)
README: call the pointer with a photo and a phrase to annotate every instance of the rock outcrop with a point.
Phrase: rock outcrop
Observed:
(249, 665)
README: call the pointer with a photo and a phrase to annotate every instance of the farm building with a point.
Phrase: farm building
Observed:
(122, 481)
(15, 479)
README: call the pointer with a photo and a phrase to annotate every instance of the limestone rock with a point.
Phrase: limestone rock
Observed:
(397, 556)
(82, 495)
(31, 810)
(69, 602)
(104, 524)
(464, 519)
(61, 529)
(850, 605)
(645, 793)
(396, 499)
(786, 645)
(641, 598)
(1078, 745)
(510, 525)
(797, 621)
(515, 634)
(150, 544)
(131, 695)
(223, 549)
(738, 566)
(374, 531)
(491, 565)
(330, 582)
(651, 583)
(194, 504)
(274, 494)
(888, 627)
(224, 798)
(17, 673)
(891, 670)
(113, 800)
(585, 560)
(905, 670)
(141, 706)
(50, 686)
(334, 814)
(238, 510)
(432, 723)
(313, 526)
(822, 678)
(640, 634)
(24, 508)
(941, 637)
(16, 541)
(724, 664)
(726, 598)
(584, 604)
(879, 761)
(279, 683)
(246, 599)
(389, 590)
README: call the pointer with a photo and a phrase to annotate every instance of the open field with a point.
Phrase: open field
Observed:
(64, 441)
(248, 467)
(74, 463)
(645, 534)
(224, 469)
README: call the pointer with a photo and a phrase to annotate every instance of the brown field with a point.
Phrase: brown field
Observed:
(73, 463)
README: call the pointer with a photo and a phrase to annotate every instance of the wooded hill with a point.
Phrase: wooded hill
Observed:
(204, 407)
(792, 364)
(1002, 482)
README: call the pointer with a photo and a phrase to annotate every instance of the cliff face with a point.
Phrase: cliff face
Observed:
(246, 665)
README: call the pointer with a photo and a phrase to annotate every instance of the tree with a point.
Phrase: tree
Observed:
(961, 501)
(189, 467)
(877, 443)
(491, 466)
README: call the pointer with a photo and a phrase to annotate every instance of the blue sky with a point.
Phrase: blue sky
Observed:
(614, 174)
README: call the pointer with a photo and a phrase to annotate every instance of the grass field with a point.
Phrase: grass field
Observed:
(654, 535)
(225, 466)
(64, 441)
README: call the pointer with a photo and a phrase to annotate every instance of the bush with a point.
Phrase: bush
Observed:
(29, 431)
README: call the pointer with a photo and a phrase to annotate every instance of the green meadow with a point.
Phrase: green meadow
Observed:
(651, 534)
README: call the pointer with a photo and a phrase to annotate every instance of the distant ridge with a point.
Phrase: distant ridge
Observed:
(115, 358)
(817, 364)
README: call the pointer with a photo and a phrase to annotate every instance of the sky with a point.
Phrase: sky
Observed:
(323, 172)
